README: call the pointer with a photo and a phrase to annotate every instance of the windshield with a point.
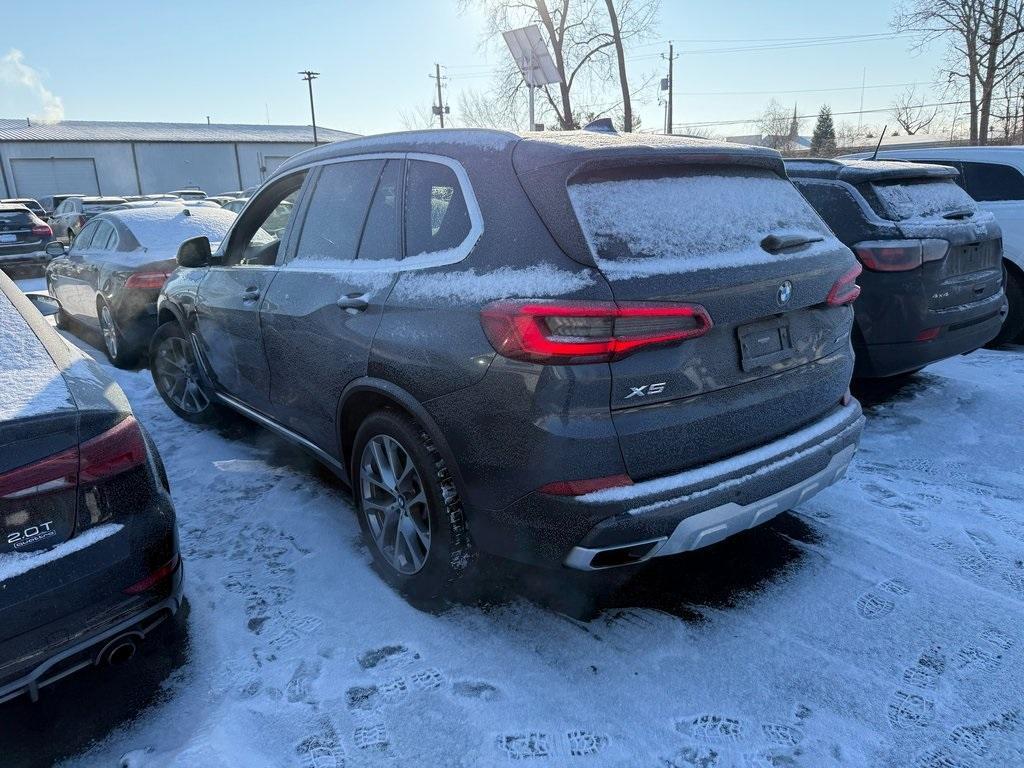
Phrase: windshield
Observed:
(15, 218)
(692, 220)
(906, 200)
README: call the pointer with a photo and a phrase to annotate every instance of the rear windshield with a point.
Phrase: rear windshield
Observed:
(97, 207)
(906, 200)
(15, 217)
(693, 219)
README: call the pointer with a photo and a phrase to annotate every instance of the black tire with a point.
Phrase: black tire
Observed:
(450, 550)
(1013, 325)
(120, 353)
(167, 337)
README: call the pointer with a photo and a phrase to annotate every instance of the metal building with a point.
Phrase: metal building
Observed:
(108, 158)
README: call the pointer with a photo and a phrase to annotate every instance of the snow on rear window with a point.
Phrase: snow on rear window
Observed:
(30, 383)
(165, 227)
(906, 201)
(689, 222)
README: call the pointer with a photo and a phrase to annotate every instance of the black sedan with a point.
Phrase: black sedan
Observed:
(23, 237)
(89, 561)
(110, 278)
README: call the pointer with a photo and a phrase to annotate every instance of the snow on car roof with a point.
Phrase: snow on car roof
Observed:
(30, 382)
(160, 227)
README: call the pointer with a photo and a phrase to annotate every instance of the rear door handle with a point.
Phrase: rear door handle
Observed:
(354, 302)
(250, 294)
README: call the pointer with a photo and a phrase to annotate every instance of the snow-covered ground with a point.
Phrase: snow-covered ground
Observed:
(879, 624)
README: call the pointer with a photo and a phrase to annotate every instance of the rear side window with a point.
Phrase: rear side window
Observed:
(381, 234)
(988, 182)
(337, 210)
(688, 218)
(909, 199)
(436, 216)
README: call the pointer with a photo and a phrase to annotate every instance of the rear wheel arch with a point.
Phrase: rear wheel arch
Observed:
(367, 395)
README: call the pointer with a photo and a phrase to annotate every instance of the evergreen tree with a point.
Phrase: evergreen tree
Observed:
(823, 142)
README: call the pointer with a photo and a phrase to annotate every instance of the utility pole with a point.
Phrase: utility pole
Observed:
(309, 77)
(440, 110)
(668, 107)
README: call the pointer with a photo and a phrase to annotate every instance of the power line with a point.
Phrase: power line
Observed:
(802, 90)
(712, 123)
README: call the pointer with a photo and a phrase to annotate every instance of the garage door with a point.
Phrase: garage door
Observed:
(38, 177)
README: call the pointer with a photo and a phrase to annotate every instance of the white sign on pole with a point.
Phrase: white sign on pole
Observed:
(533, 58)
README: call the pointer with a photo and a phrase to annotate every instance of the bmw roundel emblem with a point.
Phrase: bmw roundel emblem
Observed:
(785, 292)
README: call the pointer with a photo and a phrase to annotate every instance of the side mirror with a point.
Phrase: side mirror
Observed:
(194, 252)
(54, 248)
(46, 304)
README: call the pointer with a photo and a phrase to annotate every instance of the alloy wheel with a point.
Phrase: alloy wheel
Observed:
(176, 375)
(109, 331)
(395, 504)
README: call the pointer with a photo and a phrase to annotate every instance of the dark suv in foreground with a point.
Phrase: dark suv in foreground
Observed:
(933, 275)
(89, 561)
(572, 349)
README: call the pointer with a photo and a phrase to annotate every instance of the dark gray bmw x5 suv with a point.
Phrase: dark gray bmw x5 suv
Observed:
(574, 349)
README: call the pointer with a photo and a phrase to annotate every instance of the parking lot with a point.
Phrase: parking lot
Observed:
(878, 624)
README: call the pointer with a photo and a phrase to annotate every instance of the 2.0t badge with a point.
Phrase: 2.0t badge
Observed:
(785, 292)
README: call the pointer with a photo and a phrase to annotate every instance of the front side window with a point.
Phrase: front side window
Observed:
(105, 236)
(258, 235)
(337, 210)
(436, 215)
(84, 239)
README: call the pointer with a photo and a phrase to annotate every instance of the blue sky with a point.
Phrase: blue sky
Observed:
(235, 61)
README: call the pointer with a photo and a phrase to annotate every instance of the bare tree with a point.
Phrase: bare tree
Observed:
(986, 46)
(575, 34)
(629, 19)
(909, 111)
(482, 110)
(416, 118)
(776, 126)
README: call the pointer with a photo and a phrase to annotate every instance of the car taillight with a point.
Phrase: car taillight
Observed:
(580, 487)
(147, 280)
(571, 332)
(845, 290)
(899, 255)
(42, 230)
(57, 472)
(115, 451)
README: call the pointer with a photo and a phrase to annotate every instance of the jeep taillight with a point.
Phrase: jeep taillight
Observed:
(845, 290)
(573, 332)
(899, 255)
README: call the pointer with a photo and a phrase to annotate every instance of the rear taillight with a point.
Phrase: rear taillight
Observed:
(42, 230)
(54, 473)
(899, 255)
(567, 333)
(82, 221)
(147, 280)
(845, 290)
(580, 487)
(115, 451)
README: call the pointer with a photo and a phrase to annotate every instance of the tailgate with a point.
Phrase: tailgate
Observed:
(745, 245)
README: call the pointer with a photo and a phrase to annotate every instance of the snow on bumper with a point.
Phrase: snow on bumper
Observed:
(699, 507)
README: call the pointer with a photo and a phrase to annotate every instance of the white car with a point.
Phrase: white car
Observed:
(994, 176)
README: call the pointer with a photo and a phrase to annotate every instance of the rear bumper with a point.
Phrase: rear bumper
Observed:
(961, 332)
(19, 256)
(676, 513)
(59, 663)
